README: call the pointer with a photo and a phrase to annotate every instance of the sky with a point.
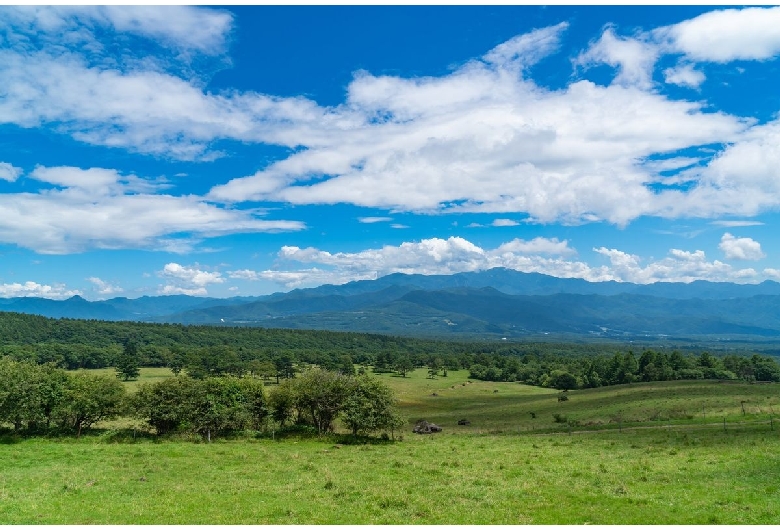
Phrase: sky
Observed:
(240, 151)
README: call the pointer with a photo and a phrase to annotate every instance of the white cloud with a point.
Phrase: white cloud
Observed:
(538, 245)
(189, 280)
(482, 140)
(726, 35)
(736, 224)
(528, 49)
(99, 208)
(9, 172)
(453, 255)
(144, 111)
(504, 222)
(634, 58)
(26, 289)
(398, 226)
(679, 266)
(742, 180)
(684, 75)
(773, 273)
(182, 27)
(428, 256)
(104, 288)
(741, 248)
(371, 220)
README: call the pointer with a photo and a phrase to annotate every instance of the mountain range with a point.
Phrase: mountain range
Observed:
(493, 303)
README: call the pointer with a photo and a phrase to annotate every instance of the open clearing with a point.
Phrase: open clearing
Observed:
(652, 453)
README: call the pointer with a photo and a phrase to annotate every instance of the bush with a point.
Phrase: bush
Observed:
(208, 406)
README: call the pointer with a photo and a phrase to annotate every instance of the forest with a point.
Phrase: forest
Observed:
(277, 354)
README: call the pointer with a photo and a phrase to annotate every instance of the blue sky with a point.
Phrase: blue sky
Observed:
(248, 150)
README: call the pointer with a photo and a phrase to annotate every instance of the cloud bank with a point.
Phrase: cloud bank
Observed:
(540, 255)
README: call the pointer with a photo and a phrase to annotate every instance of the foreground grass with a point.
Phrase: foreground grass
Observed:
(660, 476)
(657, 454)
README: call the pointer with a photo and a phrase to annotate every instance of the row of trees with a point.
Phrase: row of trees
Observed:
(621, 368)
(41, 397)
(38, 398)
(317, 397)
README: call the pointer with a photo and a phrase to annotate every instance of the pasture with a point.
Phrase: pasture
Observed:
(654, 453)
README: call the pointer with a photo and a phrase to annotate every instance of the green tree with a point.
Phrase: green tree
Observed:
(434, 365)
(370, 406)
(284, 366)
(166, 405)
(320, 395)
(255, 401)
(220, 405)
(20, 399)
(88, 399)
(346, 366)
(127, 363)
(562, 380)
(281, 401)
(403, 365)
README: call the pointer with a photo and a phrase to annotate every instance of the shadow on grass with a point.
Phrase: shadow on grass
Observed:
(8, 437)
(307, 432)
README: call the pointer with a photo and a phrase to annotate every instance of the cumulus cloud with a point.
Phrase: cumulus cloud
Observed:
(27, 289)
(726, 35)
(741, 248)
(101, 208)
(104, 288)
(9, 172)
(678, 266)
(482, 140)
(428, 256)
(455, 254)
(504, 222)
(189, 280)
(684, 75)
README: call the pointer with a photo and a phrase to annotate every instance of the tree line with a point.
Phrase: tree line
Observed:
(212, 351)
(38, 398)
(568, 373)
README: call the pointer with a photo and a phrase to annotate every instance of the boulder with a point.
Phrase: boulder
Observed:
(425, 427)
(464, 422)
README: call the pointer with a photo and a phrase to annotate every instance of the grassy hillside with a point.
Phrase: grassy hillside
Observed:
(663, 462)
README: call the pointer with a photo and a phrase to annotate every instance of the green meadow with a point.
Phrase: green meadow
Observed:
(649, 453)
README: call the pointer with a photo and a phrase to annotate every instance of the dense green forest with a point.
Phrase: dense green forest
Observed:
(278, 353)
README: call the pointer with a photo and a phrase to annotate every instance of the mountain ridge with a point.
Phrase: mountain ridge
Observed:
(493, 302)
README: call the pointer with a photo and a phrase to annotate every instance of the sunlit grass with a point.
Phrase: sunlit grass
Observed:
(657, 477)
(660, 456)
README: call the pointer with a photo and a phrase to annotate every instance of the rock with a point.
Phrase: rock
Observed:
(425, 427)
(464, 422)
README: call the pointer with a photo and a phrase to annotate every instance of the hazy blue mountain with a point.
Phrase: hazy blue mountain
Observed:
(494, 302)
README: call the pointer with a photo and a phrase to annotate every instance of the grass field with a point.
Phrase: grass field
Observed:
(637, 454)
